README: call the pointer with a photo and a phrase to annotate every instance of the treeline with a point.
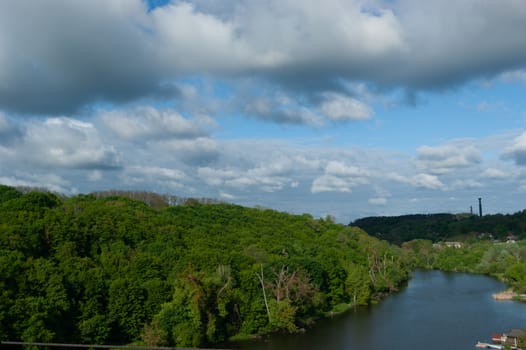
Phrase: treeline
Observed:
(505, 261)
(153, 199)
(439, 227)
(109, 269)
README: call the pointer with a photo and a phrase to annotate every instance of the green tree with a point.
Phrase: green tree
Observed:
(516, 274)
(358, 285)
(126, 307)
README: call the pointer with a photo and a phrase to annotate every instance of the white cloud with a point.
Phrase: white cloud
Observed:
(280, 108)
(95, 175)
(215, 177)
(67, 143)
(427, 181)
(160, 177)
(51, 182)
(338, 107)
(328, 183)
(158, 172)
(264, 183)
(517, 151)
(306, 32)
(226, 196)
(340, 177)
(115, 50)
(515, 75)
(443, 159)
(495, 174)
(258, 166)
(268, 179)
(146, 123)
(377, 201)
(271, 172)
(202, 150)
(182, 30)
(340, 169)
(422, 180)
(462, 184)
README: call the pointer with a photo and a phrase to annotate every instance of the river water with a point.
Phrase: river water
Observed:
(437, 310)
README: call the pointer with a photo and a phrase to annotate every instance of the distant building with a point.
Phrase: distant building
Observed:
(448, 244)
(511, 338)
(453, 244)
(511, 238)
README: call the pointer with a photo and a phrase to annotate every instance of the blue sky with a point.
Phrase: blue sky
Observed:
(346, 108)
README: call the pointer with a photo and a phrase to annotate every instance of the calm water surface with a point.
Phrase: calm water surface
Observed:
(437, 310)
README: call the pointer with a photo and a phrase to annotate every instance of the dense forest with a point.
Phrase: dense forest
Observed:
(109, 269)
(439, 227)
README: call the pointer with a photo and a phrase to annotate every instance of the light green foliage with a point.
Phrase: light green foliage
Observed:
(107, 269)
(358, 285)
(184, 318)
(283, 316)
(419, 253)
(516, 275)
(506, 261)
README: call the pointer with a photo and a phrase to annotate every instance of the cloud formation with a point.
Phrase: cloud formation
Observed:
(339, 177)
(64, 154)
(517, 151)
(147, 123)
(73, 54)
(9, 132)
(283, 103)
(443, 159)
(70, 54)
(338, 107)
(67, 143)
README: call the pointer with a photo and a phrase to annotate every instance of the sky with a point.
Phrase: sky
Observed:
(348, 108)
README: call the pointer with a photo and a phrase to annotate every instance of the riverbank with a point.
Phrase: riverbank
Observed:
(446, 301)
(509, 294)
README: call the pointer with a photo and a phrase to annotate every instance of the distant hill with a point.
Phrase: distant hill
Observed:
(438, 227)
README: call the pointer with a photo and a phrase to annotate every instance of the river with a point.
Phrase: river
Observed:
(436, 310)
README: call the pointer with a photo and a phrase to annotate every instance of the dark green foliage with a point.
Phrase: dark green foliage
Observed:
(440, 227)
(109, 269)
(7, 193)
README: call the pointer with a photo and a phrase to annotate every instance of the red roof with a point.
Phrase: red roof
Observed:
(496, 337)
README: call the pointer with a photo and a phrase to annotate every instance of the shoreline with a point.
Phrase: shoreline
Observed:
(509, 295)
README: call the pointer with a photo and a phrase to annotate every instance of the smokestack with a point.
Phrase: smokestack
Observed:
(480, 207)
(471, 209)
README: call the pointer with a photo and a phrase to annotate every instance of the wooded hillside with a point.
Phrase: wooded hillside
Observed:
(439, 227)
(94, 269)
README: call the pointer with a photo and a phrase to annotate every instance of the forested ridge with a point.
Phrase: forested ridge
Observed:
(492, 244)
(439, 227)
(109, 269)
